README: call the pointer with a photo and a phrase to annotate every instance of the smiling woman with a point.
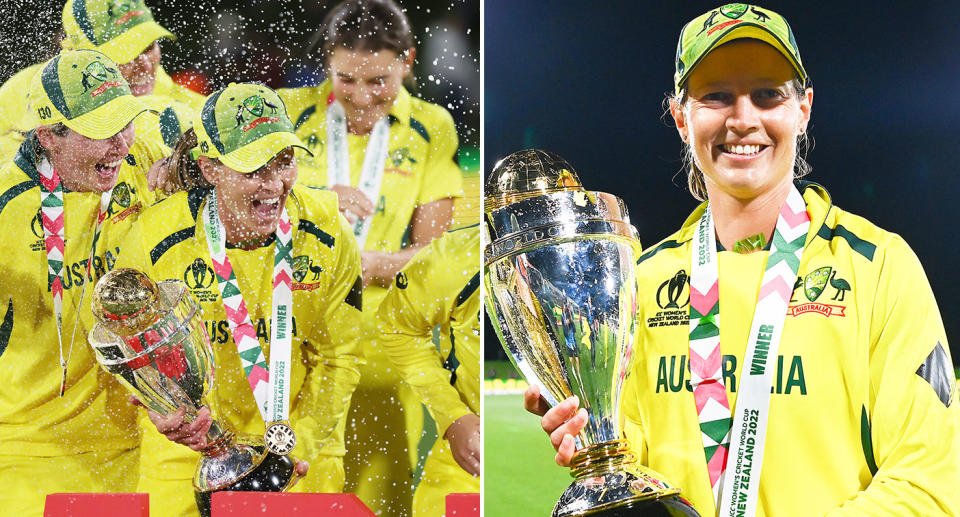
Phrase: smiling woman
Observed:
(391, 159)
(69, 189)
(244, 211)
(866, 421)
(741, 114)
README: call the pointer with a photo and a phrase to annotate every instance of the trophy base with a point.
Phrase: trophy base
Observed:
(246, 466)
(610, 484)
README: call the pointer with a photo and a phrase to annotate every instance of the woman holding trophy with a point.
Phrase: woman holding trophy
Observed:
(244, 212)
(826, 388)
(64, 425)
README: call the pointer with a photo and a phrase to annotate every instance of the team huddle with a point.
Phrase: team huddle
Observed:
(349, 186)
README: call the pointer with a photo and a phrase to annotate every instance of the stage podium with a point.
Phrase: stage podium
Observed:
(97, 505)
(239, 504)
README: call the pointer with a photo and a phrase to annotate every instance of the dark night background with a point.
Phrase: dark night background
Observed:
(222, 41)
(589, 82)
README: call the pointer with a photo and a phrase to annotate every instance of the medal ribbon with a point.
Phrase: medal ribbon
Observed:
(746, 430)
(270, 391)
(51, 215)
(374, 160)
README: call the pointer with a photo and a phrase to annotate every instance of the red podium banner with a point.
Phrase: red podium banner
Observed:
(463, 505)
(258, 504)
(97, 505)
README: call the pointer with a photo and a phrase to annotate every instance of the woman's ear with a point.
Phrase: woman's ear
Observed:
(46, 137)
(409, 56)
(806, 108)
(209, 169)
(679, 118)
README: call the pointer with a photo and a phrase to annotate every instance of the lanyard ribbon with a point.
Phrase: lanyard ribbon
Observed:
(746, 430)
(374, 160)
(270, 391)
(51, 215)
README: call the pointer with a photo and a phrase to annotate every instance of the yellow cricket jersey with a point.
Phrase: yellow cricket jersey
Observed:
(94, 414)
(864, 418)
(420, 165)
(438, 287)
(165, 87)
(170, 242)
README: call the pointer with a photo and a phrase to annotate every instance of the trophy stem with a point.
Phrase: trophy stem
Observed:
(219, 439)
(601, 458)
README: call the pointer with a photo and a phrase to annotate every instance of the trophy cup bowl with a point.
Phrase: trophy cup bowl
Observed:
(151, 338)
(561, 292)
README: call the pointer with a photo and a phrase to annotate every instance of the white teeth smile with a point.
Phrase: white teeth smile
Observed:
(742, 149)
(112, 164)
(268, 204)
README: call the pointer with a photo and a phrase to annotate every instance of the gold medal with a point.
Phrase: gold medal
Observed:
(280, 438)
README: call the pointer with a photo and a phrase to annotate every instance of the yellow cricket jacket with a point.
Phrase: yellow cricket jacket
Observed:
(169, 241)
(420, 166)
(94, 413)
(864, 417)
(438, 287)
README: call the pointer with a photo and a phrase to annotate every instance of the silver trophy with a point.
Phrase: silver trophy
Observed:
(561, 291)
(151, 338)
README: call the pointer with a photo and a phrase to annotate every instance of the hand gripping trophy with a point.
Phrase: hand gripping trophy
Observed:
(562, 295)
(151, 338)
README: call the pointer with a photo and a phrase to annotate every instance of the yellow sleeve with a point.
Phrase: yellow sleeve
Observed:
(333, 357)
(911, 435)
(421, 298)
(165, 86)
(442, 176)
(133, 250)
(14, 119)
(297, 100)
(632, 422)
(147, 149)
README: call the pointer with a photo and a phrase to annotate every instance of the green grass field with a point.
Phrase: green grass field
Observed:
(520, 476)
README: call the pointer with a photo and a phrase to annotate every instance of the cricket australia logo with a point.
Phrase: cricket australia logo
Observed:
(305, 269)
(398, 156)
(101, 73)
(122, 11)
(813, 285)
(254, 107)
(733, 11)
(119, 208)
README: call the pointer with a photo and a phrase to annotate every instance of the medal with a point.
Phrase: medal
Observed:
(280, 438)
(374, 159)
(269, 383)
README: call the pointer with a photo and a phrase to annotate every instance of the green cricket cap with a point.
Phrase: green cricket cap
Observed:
(730, 22)
(84, 90)
(121, 29)
(245, 126)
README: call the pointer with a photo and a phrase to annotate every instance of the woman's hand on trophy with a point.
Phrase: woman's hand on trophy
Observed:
(354, 204)
(192, 434)
(562, 422)
(159, 177)
(464, 437)
(301, 467)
